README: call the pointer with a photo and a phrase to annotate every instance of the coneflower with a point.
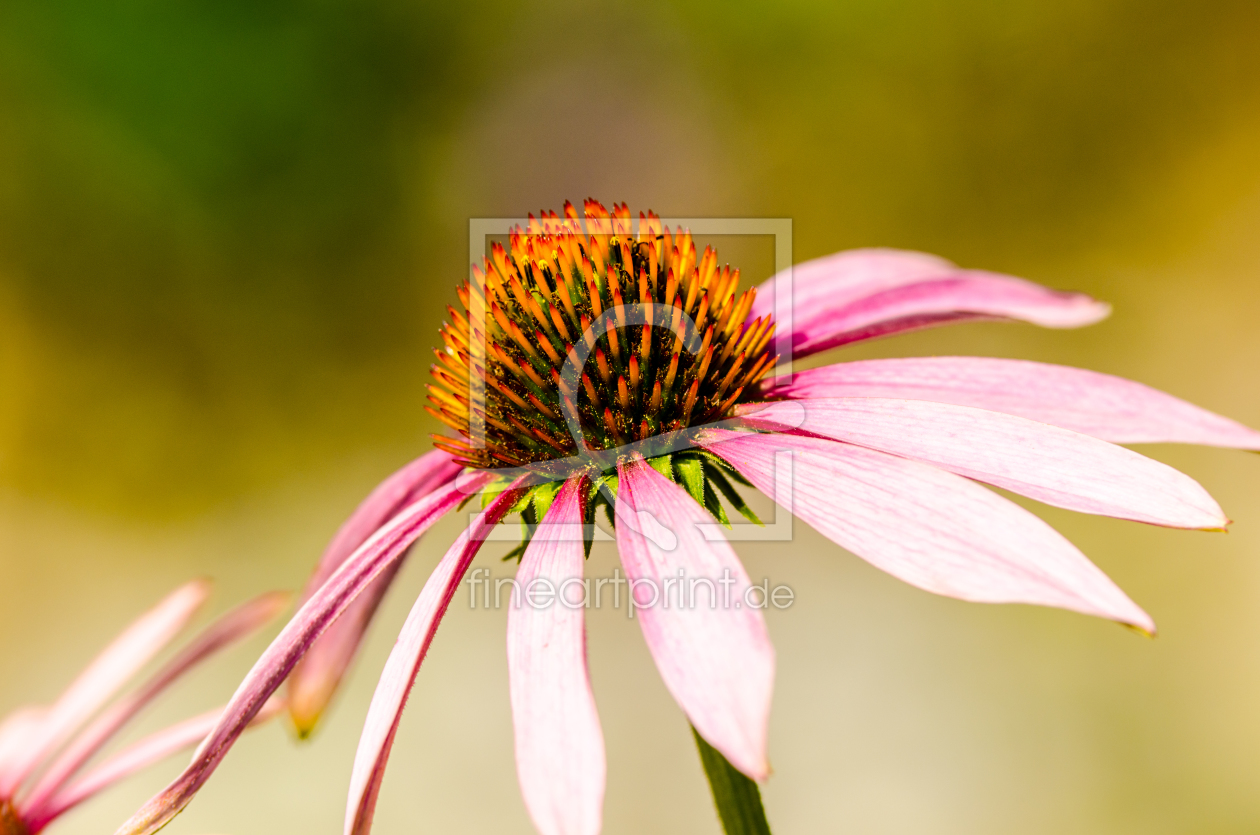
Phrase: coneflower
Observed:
(599, 362)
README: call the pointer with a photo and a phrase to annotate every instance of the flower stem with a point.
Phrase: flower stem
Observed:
(737, 798)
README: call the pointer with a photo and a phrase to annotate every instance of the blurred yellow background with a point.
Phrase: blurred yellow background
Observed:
(227, 234)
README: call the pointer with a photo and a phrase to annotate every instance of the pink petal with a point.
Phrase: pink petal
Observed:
(1053, 465)
(108, 672)
(315, 680)
(930, 528)
(377, 554)
(404, 663)
(1111, 408)
(17, 729)
(559, 744)
(137, 757)
(717, 662)
(230, 628)
(865, 293)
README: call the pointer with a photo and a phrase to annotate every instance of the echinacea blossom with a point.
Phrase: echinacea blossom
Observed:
(598, 363)
(44, 749)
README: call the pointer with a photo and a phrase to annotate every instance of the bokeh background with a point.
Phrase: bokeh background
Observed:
(227, 234)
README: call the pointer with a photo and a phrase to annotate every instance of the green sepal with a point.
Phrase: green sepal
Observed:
(664, 465)
(724, 466)
(737, 798)
(718, 479)
(517, 553)
(532, 506)
(713, 472)
(689, 472)
(529, 518)
(714, 505)
(601, 492)
(543, 496)
(705, 476)
(522, 501)
(492, 491)
(529, 523)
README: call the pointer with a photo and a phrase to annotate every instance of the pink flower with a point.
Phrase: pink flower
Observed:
(887, 458)
(43, 750)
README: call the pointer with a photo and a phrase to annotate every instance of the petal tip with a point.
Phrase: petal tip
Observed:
(753, 764)
(1214, 521)
(1085, 310)
(1075, 310)
(1099, 309)
(304, 715)
(761, 773)
(275, 602)
(304, 729)
(1139, 621)
(199, 588)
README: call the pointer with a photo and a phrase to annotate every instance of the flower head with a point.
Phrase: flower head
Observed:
(44, 750)
(546, 297)
(599, 364)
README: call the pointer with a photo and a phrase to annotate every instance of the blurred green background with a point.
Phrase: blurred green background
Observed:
(227, 234)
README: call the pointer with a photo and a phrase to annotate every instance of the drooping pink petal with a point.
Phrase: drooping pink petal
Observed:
(317, 675)
(380, 551)
(404, 663)
(709, 644)
(144, 753)
(559, 744)
(865, 293)
(1053, 465)
(137, 757)
(1107, 407)
(237, 624)
(108, 672)
(930, 528)
(421, 476)
(16, 730)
